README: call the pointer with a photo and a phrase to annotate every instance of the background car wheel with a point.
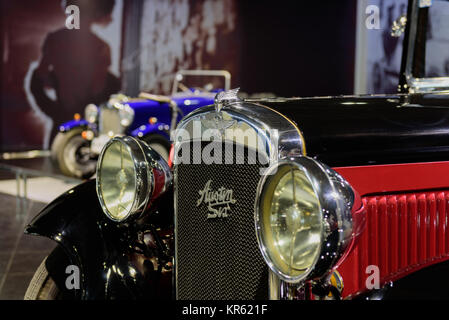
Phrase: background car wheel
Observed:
(159, 143)
(42, 286)
(72, 154)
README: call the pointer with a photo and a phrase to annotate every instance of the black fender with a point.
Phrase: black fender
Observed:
(113, 259)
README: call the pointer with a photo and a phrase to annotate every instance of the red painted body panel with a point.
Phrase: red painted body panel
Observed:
(406, 210)
(397, 177)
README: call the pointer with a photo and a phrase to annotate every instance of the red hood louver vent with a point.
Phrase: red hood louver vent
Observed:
(404, 232)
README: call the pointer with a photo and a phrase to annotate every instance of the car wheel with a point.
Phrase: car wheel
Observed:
(42, 286)
(71, 152)
(159, 144)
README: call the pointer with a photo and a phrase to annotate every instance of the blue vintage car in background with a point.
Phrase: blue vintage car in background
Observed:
(149, 117)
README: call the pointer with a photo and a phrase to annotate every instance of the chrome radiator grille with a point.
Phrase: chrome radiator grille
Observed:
(218, 258)
(109, 120)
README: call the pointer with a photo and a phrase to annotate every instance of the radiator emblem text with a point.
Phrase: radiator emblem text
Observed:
(218, 202)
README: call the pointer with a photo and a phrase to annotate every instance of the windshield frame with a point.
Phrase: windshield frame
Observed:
(414, 82)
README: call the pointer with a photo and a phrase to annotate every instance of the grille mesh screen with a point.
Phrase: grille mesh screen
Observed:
(110, 121)
(218, 258)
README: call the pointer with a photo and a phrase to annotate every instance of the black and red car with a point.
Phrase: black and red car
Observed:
(302, 198)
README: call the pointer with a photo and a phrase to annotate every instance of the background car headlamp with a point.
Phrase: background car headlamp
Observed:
(126, 114)
(91, 113)
(303, 218)
(129, 176)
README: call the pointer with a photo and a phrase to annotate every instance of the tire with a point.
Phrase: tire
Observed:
(42, 286)
(70, 152)
(159, 144)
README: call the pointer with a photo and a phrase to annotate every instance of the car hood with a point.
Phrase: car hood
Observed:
(371, 129)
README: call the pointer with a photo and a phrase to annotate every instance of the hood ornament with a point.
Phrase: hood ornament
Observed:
(224, 97)
(218, 122)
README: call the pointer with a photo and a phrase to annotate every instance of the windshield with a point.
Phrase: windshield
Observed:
(195, 81)
(437, 40)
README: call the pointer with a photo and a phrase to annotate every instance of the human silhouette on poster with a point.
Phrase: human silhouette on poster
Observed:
(73, 70)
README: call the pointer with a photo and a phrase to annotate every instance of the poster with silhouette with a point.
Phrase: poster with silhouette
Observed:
(74, 64)
(51, 71)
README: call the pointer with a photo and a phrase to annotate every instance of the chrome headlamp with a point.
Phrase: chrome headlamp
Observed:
(303, 218)
(91, 113)
(126, 114)
(129, 176)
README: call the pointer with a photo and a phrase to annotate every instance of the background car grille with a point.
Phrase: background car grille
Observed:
(109, 120)
(218, 258)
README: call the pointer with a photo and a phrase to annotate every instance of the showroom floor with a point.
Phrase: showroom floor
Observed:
(21, 254)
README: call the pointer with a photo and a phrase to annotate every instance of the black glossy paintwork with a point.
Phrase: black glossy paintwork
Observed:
(107, 252)
(430, 283)
(368, 130)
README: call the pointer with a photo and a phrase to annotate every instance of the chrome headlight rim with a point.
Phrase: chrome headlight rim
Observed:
(336, 198)
(143, 176)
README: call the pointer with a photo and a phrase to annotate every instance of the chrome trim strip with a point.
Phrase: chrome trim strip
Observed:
(274, 284)
(281, 290)
(429, 85)
(32, 154)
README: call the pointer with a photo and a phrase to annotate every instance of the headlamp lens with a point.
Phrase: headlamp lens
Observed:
(117, 180)
(291, 221)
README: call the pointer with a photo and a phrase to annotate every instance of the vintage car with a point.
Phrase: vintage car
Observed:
(336, 198)
(149, 117)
